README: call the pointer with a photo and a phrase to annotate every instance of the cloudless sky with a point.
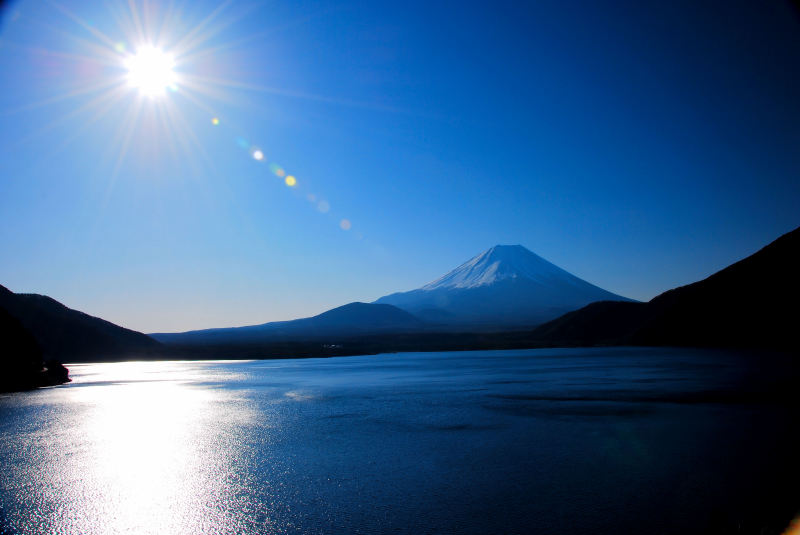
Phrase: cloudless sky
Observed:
(638, 145)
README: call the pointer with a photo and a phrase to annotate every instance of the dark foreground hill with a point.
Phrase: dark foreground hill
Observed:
(21, 363)
(752, 303)
(68, 335)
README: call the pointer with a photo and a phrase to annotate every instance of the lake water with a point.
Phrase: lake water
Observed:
(535, 441)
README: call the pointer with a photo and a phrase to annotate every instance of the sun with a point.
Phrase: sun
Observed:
(150, 70)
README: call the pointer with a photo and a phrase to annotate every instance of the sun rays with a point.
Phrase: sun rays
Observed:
(151, 74)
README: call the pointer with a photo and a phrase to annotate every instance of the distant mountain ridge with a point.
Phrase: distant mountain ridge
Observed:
(751, 303)
(347, 320)
(506, 285)
(70, 335)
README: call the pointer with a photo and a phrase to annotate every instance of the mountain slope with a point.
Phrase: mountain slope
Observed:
(347, 320)
(507, 285)
(69, 335)
(21, 363)
(752, 303)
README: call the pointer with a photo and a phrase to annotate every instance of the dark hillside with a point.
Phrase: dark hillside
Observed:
(68, 335)
(752, 303)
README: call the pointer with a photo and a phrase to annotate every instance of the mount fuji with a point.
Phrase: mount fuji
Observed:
(505, 286)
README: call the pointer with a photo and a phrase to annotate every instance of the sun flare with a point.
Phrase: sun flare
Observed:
(150, 71)
(153, 71)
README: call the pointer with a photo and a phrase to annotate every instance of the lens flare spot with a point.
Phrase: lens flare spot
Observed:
(120, 47)
(291, 181)
(257, 154)
(345, 224)
(280, 172)
(215, 121)
(311, 197)
(323, 206)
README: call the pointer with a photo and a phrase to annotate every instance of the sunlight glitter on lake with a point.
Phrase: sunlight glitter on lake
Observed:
(147, 455)
(546, 441)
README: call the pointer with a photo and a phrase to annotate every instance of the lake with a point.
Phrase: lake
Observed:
(611, 440)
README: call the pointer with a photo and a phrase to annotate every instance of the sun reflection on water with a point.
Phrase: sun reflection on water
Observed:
(153, 454)
(145, 445)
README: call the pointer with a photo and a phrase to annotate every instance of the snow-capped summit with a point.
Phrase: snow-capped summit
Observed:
(498, 263)
(503, 286)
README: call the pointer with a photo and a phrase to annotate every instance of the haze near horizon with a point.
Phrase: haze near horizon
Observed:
(204, 165)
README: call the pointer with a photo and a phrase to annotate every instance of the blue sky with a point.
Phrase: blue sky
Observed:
(637, 146)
